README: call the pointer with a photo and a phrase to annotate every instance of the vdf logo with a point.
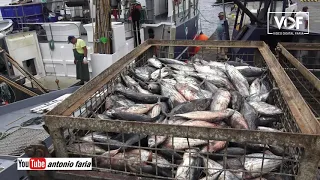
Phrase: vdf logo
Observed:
(288, 22)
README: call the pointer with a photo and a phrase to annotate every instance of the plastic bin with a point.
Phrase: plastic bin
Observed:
(21, 10)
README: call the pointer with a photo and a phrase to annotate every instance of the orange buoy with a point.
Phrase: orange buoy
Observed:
(200, 37)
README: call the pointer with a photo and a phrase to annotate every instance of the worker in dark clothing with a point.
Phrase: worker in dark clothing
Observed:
(135, 16)
(80, 58)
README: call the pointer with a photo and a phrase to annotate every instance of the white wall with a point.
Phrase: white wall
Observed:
(24, 46)
(160, 7)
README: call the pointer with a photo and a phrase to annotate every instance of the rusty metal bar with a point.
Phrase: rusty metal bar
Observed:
(236, 135)
(208, 43)
(299, 108)
(301, 46)
(94, 175)
(70, 104)
(300, 67)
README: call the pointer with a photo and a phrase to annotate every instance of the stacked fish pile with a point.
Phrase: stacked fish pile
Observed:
(198, 93)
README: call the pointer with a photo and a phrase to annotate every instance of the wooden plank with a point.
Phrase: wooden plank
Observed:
(304, 117)
(301, 46)
(18, 86)
(300, 67)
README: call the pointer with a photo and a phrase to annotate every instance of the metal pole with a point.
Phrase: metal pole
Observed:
(224, 9)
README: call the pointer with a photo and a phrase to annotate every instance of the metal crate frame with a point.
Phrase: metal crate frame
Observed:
(60, 117)
(306, 82)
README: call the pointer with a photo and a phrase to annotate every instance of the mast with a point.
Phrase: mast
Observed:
(103, 33)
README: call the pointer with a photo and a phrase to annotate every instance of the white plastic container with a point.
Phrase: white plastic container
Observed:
(61, 30)
(118, 30)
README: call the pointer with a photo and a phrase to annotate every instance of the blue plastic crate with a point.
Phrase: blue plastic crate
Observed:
(22, 10)
(34, 19)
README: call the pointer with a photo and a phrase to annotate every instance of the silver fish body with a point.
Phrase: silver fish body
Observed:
(141, 90)
(155, 63)
(217, 80)
(137, 108)
(212, 169)
(236, 100)
(267, 129)
(155, 111)
(143, 73)
(184, 73)
(171, 61)
(171, 92)
(210, 87)
(255, 87)
(140, 97)
(237, 121)
(259, 162)
(189, 92)
(185, 79)
(250, 115)
(220, 65)
(172, 82)
(208, 70)
(209, 116)
(266, 121)
(250, 70)
(195, 105)
(160, 73)
(238, 80)
(183, 143)
(190, 168)
(220, 100)
(259, 97)
(154, 88)
(85, 148)
(181, 67)
(265, 109)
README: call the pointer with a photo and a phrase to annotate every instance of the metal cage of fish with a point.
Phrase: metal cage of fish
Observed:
(296, 59)
(204, 147)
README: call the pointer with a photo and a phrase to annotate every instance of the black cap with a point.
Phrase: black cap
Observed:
(70, 38)
(305, 8)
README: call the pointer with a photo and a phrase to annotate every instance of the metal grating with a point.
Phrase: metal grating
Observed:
(14, 143)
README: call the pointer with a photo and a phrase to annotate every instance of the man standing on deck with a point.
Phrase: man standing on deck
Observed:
(220, 28)
(304, 15)
(80, 58)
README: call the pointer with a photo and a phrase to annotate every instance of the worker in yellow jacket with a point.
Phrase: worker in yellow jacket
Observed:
(80, 53)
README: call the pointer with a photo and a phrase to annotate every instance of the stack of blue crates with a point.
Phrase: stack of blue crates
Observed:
(24, 13)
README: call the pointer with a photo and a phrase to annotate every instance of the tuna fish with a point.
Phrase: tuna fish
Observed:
(259, 163)
(174, 96)
(238, 80)
(237, 121)
(264, 121)
(250, 70)
(212, 169)
(140, 97)
(216, 80)
(171, 61)
(143, 73)
(250, 115)
(136, 109)
(220, 100)
(210, 87)
(208, 70)
(155, 63)
(210, 116)
(155, 111)
(255, 87)
(190, 167)
(189, 92)
(85, 148)
(181, 67)
(186, 79)
(194, 105)
(265, 109)
(236, 100)
(130, 116)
